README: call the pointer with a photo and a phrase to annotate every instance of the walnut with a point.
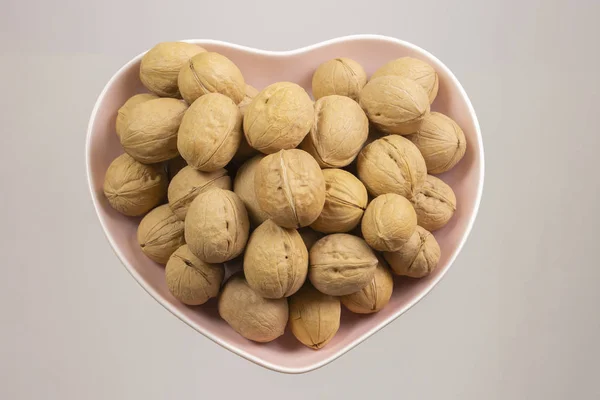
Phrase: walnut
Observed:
(418, 257)
(243, 186)
(341, 76)
(435, 204)
(123, 113)
(160, 233)
(388, 223)
(412, 68)
(376, 295)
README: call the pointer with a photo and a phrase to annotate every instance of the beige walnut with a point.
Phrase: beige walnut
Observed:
(123, 113)
(376, 295)
(412, 68)
(160, 233)
(418, 257)
(243, 186)
(314, 317)
(388, 223)
(160, 66)
(245, 151)
(249, 314)
(211, 72)
(217, 226)
(189, 183)
(275, 261)
(290, 188)
(434, 204)
(341, 76)
(191, 280)
(133, 188)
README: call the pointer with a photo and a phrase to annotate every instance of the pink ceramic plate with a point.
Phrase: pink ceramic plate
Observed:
(261, 68)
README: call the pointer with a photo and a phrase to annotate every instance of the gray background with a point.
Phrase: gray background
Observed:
(517, 316)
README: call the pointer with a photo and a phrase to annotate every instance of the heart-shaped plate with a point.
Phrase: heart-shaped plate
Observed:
(261, 68)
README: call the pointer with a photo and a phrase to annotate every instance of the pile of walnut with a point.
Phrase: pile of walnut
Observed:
(339, 190)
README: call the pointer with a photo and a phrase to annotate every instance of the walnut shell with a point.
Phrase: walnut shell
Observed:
(418, 257)
(392, 164)
(160, 233)
(339, 130)
(151, 135)
(123, 113)
(341, 76)
(275, 261)
(290, 188)
(309, 236)
(133, 188)
(341, 264)
(376, 295)
(249, 314)
(217, 226)
(388, 223)
(243, 186)
(210, 132)
(245, 151)
(160, 66)
(441, 142)
(210, 72)
(279, 117)
(345, 202)
(189, 183)
(314, 316)
(395, 104)
(174, 165)
(191, 280)
(434, 204)
(412, 68)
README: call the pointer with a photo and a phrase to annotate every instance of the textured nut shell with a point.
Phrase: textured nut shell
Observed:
(441, 142)
(191, 280)
(243, 186)
(249, 314)
(217, 226)
(314, 317)
(290, 188)
(345, 202)
(160, 233)
(189, 183)
(375, 295)
(125, 110)
(275, 261)
(339, 130)
(210, 72)
(341, 264)
(388, 223)
(341, 76)
(392, 164)
(418, 257)
(151, 135)
(245, 151)
(174, 165)
(395, 104)
(210, 132)
(279, 117)
(133, 188)
(160, 66)
(434, 204)
(412, 68)
(309, 236)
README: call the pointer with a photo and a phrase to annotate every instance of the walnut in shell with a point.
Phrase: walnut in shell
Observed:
(412, 68)
(345, 202)
(434, 204)
(210, 72)
(191, 280)
(341, 264)
(341, 76)
(275, 261)
(160, 233)
(189, 183)
(290, 188)
(339, 130)
(441, 142)
(151, 134)
(395, 104)
(125, 110)
(418, 257)
(314, 316)
(243, 186)
(375, 295)
(210, 132)
(216, 226)
(133, 188)
(279, 117)
(388, 223)
(392, 164)
(249, 314)
(160, 66)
